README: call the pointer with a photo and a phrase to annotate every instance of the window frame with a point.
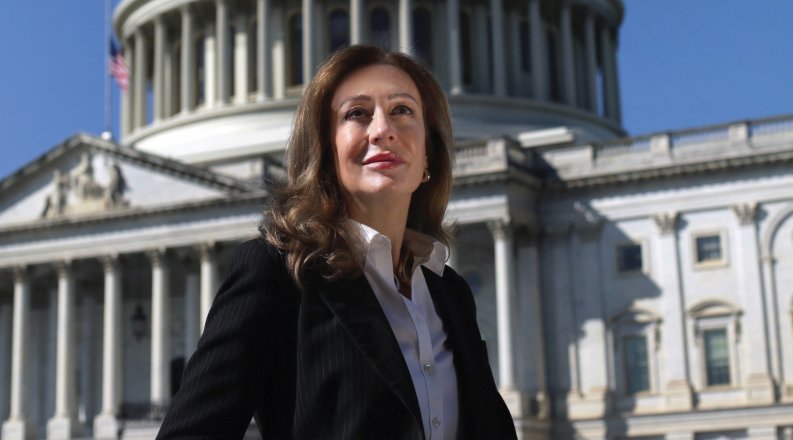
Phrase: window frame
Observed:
(635, 322)
(710, 264)
(643, 249)
(716, 314)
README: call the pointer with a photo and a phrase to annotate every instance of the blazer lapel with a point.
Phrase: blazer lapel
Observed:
(451, 313)
(353, 302)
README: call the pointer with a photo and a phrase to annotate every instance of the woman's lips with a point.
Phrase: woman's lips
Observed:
(383, 161)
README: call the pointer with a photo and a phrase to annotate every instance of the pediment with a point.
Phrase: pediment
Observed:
(86, 177)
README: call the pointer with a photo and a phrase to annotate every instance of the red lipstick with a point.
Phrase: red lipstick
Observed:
(383, 160)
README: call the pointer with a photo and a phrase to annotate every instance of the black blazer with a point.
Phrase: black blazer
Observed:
(323, 364)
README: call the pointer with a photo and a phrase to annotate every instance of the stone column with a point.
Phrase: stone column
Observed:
(224, 55)
(497, 48)
(568, 57)
(759, 384)
(264, 67)
(356, 21)
(170, 82)
(455, 58)
(590, 56)
(126, 97)
(406, 26)
(106, 424)
(240, 59)
(206, 253)
(160, 334)
(159, 68)
(610, 85)
(188, 60)
(210, 74)
(505, 286)
(192, 326)
(18, 427)
(5, 359)
(141, 63)
(677, 390)
(308, 40)
(539, 52)
(63, 425)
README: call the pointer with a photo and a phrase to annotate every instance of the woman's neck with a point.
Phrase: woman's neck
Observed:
(386, 219)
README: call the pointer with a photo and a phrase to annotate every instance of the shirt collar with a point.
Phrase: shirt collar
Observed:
(426, 250)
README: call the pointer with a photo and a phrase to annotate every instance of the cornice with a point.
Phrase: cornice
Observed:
(131, 214)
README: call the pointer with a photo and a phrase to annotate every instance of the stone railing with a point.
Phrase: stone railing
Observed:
(685, 142)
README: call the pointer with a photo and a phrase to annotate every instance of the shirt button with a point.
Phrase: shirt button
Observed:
(429, 368)
(436, 422)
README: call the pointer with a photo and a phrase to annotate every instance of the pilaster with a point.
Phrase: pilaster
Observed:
(760, 388)
(677, 390)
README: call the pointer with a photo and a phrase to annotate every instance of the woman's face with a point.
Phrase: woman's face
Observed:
(377, 131)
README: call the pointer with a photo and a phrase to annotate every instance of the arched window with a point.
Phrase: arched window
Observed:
(715, 328)
(422, 34)
(339, 30)
(635, 334)
(296, 51)
(380, 28)
(466, 48)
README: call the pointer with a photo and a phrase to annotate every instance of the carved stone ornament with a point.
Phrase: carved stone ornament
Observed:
(747, 213)
(667, 222)
(87, 195)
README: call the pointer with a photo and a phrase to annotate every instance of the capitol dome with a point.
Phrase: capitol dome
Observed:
(541, 72)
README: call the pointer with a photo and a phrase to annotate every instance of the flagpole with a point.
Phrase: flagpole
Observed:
(108, 133)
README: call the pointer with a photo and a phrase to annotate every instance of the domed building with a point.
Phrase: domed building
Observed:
(627, 287)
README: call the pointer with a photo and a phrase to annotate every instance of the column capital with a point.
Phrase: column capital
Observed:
(500, 228)
(746, 213)
(667, 222)
(157, 256)
(206, 250)
(109, 263)
(63, 268)
(20, 273)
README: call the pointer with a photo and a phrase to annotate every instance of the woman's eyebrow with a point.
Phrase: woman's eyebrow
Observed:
(354, 98)
(403, 95)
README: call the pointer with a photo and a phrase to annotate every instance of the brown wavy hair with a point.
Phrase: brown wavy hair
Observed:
(307, 218)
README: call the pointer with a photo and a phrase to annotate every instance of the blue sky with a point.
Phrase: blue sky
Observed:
(683, 63)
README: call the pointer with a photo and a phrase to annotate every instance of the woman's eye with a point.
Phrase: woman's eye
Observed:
(402, 110)
(355, 113)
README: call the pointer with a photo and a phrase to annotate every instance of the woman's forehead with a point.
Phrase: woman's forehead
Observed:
(375, 81)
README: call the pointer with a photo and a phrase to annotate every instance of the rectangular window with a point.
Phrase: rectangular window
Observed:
(717, 357)
(708, 248)
(629, 258)
(637, 369)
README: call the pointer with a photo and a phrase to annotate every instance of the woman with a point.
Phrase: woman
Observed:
(323, 329)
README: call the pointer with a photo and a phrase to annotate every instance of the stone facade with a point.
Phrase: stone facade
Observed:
(627, 288)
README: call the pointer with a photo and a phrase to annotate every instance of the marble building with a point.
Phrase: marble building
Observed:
(628, 287)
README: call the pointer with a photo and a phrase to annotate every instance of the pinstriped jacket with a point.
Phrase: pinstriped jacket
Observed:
(322, 364)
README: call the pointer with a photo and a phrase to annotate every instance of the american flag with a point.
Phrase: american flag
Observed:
(118, 66)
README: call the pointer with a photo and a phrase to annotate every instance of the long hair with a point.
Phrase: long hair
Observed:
(307, 217)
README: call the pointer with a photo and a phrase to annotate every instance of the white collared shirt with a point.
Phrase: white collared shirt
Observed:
(417, 327)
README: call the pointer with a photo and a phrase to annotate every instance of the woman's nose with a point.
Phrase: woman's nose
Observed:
(380, 129)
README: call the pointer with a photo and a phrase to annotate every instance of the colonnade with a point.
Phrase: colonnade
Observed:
(239, 54)
(200, 286)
